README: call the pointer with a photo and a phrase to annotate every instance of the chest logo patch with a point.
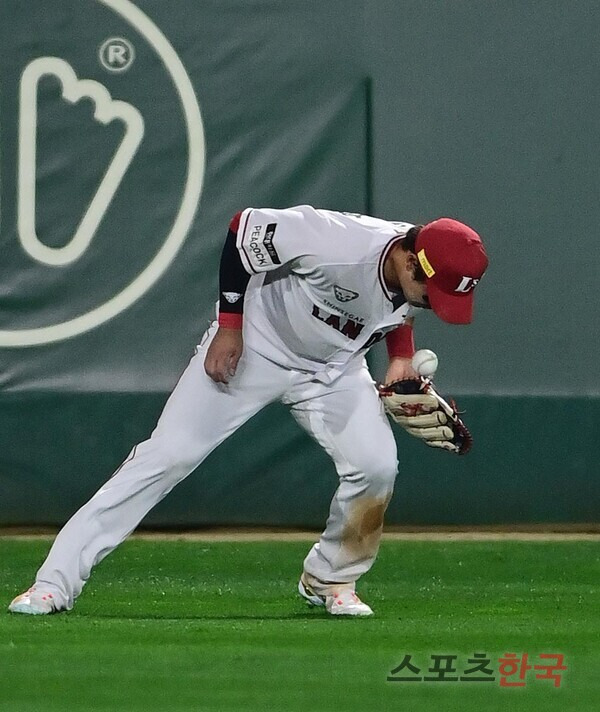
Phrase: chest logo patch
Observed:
(344, 295)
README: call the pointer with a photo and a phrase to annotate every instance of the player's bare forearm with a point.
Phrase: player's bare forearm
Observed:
(223, 354)
(400, 368)
(400, 364)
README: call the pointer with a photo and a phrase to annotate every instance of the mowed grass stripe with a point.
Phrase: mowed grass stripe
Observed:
(218, 626)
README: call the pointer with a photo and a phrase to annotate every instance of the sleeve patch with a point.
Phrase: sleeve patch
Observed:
(269, 246)
(258, 246)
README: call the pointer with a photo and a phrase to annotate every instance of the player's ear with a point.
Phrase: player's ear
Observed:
(411, 263)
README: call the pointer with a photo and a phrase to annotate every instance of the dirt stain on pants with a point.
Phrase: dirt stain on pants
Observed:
(363, 528)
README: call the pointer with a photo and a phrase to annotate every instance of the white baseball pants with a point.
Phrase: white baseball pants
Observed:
(345, 417)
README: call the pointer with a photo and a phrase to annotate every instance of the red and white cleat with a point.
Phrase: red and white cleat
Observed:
(346, 603)
(34, 603)
(343, 602)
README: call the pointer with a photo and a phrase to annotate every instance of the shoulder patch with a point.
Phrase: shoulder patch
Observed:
(268, 243)
(257, 245)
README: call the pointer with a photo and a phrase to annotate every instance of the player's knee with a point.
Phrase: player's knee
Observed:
(377, 469)
(381, 473)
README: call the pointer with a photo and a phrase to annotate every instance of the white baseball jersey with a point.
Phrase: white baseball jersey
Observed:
(315, 302)
(317, 296)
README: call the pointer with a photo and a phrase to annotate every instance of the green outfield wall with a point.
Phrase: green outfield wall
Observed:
(270, 472)
(131, 132)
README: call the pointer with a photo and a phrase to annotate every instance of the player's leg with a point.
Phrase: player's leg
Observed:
(198, 416)
(348, 421)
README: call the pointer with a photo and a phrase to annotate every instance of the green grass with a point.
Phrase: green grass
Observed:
(217, 626)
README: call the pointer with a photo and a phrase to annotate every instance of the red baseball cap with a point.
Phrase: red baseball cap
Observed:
(454, 260)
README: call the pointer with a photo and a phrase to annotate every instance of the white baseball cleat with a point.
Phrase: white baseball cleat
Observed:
(343, 602)
(34, 603)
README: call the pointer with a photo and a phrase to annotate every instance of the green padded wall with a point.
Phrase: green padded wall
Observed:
(131, 132)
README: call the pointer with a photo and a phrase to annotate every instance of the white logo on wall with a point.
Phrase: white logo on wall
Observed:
(116, 55)
(106, 110)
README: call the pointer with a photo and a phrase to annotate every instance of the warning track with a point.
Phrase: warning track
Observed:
(575, 532)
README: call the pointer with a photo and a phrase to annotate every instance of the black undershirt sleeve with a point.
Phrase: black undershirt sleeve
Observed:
(233, 278)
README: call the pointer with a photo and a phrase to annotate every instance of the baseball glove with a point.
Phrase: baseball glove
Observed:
(422, 412)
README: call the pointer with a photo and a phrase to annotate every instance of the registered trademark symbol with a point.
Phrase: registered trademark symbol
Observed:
(116, 54)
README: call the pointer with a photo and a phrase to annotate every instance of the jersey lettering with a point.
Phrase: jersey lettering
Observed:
(255, 247)
(333, 320)
(343, 312)
(348, 328)
(352, 329)
(374, 338)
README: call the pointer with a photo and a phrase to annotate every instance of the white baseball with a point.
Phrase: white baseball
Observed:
(425, 363)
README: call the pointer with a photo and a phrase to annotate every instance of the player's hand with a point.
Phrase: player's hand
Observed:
(223, 354)
(399, 369)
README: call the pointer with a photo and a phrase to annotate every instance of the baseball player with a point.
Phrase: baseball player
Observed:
(304, 293)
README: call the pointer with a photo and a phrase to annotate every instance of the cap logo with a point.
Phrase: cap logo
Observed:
(425, 263)
(466, 284)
